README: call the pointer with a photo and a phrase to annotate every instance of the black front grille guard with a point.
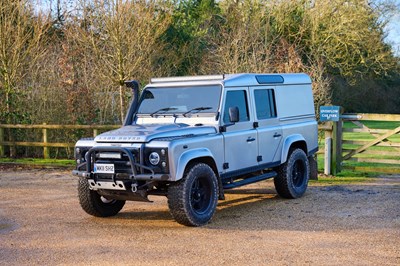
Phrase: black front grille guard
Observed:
(90, 157)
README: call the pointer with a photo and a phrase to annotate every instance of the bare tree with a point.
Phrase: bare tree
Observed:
(349, 36)
(21, 39)
(123, 37)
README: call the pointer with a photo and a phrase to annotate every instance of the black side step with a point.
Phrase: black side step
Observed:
(250, 180)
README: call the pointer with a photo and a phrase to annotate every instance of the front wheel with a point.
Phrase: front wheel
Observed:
(292, 179)
(193, 199)
(95, 204)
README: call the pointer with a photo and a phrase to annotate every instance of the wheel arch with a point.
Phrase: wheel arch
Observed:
(293, 142)
(191, 157)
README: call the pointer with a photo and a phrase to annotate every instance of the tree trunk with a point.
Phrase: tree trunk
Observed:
(13, 152)
(121, 101)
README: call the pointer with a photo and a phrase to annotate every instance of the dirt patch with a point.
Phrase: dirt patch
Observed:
(41, 222)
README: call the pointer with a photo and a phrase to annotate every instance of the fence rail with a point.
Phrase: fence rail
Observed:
(45, 144)
(368, 143)
(337, 147)
(44, 140)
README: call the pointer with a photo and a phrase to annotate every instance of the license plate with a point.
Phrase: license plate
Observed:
(103, 168)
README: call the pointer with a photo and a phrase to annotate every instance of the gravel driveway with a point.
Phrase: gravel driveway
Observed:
(41, 223)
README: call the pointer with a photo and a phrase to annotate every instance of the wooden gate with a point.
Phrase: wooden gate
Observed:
(371, 142)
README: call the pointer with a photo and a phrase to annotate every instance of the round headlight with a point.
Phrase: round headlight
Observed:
(154, 158)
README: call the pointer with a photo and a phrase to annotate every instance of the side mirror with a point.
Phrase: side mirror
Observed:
(233, 114)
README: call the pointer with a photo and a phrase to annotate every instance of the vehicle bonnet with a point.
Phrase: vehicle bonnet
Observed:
(146, 133)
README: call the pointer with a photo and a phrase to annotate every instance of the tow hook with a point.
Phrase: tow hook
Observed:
(134, 187)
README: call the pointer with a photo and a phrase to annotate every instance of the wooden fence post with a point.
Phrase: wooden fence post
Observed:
(336, 165)
(328, 151)
(95, 132)
(1, 140)
(13, 148)
(45, 148)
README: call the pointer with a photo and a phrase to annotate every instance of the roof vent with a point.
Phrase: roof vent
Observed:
(269, 79)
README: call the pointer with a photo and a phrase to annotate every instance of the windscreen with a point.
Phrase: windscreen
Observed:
(180, 100)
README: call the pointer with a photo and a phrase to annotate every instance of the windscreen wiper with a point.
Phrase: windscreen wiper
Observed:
(163, 110)
(196, 110)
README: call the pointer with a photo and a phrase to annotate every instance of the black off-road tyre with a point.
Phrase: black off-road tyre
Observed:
(95, 204)
(292, 179)
(193, 199)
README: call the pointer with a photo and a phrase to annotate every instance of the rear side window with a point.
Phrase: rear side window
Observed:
(238, 99)
(265, 103)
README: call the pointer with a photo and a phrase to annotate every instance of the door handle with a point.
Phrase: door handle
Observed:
(250, 139)
(277, 135)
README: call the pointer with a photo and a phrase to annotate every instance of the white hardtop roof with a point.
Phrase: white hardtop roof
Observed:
(244, 79)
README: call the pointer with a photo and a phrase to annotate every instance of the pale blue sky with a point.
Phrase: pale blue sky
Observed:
(393, 30)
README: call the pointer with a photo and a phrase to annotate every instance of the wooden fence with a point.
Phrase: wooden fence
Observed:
(363, 142)
(349, 143)
(44, 140)
(369, 145)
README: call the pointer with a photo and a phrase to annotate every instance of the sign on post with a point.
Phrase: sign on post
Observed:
(332, 113)
(329, 113)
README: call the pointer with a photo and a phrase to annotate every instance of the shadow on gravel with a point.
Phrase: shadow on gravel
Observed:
(322, 208)
(7, 226)
(145, 215)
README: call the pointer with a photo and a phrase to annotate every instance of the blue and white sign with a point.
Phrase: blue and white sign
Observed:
(329, 113)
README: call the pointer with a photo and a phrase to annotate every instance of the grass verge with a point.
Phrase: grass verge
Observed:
(39, 162)
(336, 180)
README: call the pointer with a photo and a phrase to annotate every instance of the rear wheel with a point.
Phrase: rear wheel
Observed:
(292, 179)
(95, 204)
(193, 199)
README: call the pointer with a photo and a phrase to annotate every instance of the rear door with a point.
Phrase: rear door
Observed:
(269, 131)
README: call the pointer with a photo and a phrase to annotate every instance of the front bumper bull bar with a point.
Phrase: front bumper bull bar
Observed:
(90, 158)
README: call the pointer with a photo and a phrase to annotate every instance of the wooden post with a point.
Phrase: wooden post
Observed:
(336, 165)
(328, 152)
(45, 148)
(95, 133)
(1, 140)
(13, 148)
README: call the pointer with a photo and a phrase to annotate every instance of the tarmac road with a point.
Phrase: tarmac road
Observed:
(41, 223)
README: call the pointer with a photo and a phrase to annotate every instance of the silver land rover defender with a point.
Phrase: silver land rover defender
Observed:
(191, 138)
